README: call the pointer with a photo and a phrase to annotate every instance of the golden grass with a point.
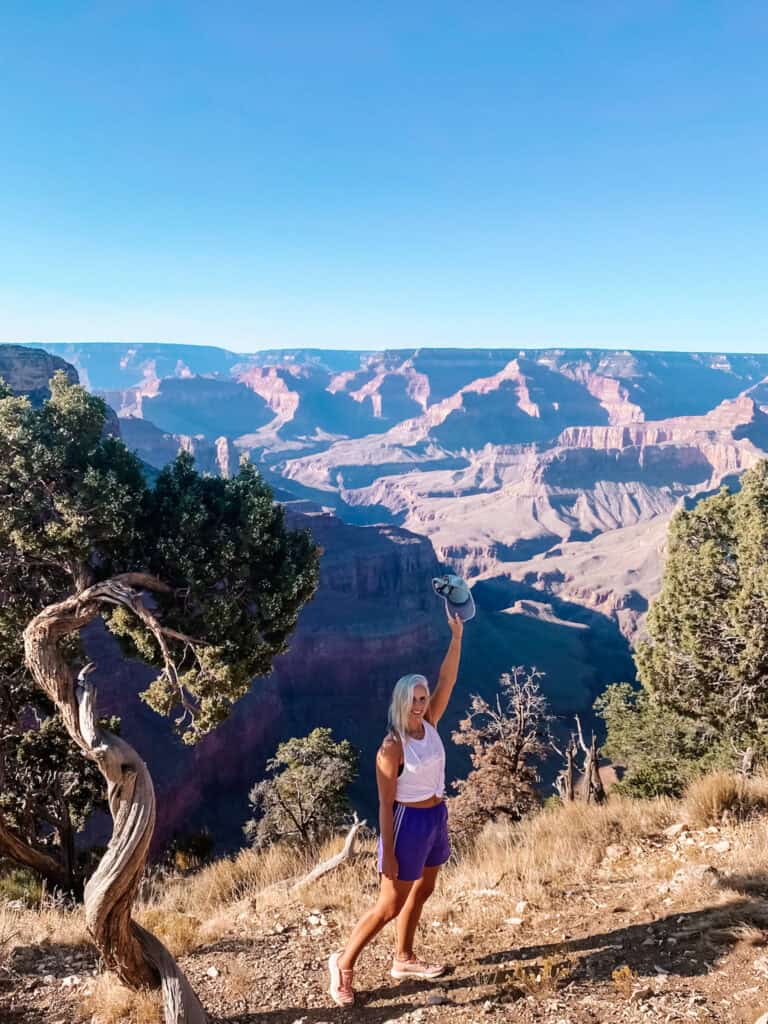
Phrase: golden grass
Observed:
(41, 927)
(748, 858)
(109, 1002)
(235, 878)
(624, 980)
(543, 979)
(562, 846)
(178, 931)
(723, 795)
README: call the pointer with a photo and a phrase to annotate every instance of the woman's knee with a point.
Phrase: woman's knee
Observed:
(425, 891)
(389, 908)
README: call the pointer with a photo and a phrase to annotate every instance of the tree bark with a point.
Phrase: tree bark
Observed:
(138, 958)
(596, 782)
(570, 753)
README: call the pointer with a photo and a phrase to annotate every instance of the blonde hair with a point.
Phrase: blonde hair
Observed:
(402, 699)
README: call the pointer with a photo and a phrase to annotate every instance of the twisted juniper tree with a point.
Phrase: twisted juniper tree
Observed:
(198, 576)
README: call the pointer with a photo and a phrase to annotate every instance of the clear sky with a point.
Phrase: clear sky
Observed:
(365, 174)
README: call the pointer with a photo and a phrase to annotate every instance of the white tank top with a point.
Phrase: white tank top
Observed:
(423, 773)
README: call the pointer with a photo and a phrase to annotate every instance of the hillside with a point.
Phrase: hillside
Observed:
(630, 913)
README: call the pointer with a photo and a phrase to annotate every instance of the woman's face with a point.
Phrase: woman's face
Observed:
(419, 704)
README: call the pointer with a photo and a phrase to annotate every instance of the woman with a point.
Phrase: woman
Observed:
(413, 823)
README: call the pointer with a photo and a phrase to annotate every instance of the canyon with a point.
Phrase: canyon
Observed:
(547, 478)
(553, 470)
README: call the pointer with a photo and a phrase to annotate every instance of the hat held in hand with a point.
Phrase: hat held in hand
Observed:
(456, 594)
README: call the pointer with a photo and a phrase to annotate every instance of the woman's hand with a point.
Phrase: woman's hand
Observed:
(456, 624)
(389, 866)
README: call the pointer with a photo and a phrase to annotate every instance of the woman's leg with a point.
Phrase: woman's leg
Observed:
(409, 916)
(392, 898)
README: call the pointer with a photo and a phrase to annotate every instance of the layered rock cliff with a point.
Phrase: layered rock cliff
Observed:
(27, 371)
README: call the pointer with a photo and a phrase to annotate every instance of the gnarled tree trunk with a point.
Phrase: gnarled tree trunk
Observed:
(138, 958)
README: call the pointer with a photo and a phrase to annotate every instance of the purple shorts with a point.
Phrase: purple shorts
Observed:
(421, 840)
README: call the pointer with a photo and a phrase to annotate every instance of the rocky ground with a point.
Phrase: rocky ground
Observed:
(667, 928)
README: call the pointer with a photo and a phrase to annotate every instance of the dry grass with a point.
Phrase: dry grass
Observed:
(109, 1002)
(232, 879)
(240, 981)
(562, 846)
(748, 859)
(722, 796)
(536, 861)
(542, 980)
(624, 980)
(41, 927)
(180, 932)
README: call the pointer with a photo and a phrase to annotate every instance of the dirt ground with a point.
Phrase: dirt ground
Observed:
(661, 933)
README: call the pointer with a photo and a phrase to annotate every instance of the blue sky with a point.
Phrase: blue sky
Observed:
(357, 175)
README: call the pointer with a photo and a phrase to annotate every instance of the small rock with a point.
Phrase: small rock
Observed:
(703, 874)
(71, 981)
(436, 999)
(488, 1006)
(674, 830)
(520, 907)
(722, 847)
(513, 922)
(48, 979)
(639, 995)
(212, 972)
(615, 851)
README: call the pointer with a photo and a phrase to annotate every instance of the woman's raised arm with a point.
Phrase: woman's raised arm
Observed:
(449, 669)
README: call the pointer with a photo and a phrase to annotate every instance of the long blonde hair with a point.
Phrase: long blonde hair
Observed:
(402, 699)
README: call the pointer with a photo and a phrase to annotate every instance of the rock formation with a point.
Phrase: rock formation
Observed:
(27, 371)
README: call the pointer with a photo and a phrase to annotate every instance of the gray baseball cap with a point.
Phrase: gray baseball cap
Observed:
(456, 594)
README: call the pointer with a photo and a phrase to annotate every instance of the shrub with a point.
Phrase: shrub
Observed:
(712, 798)
(661, 750)
(20, 884)
(306, 798)
(506, 740)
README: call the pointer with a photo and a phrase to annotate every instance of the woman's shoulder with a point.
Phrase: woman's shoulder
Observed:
(391, 747)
